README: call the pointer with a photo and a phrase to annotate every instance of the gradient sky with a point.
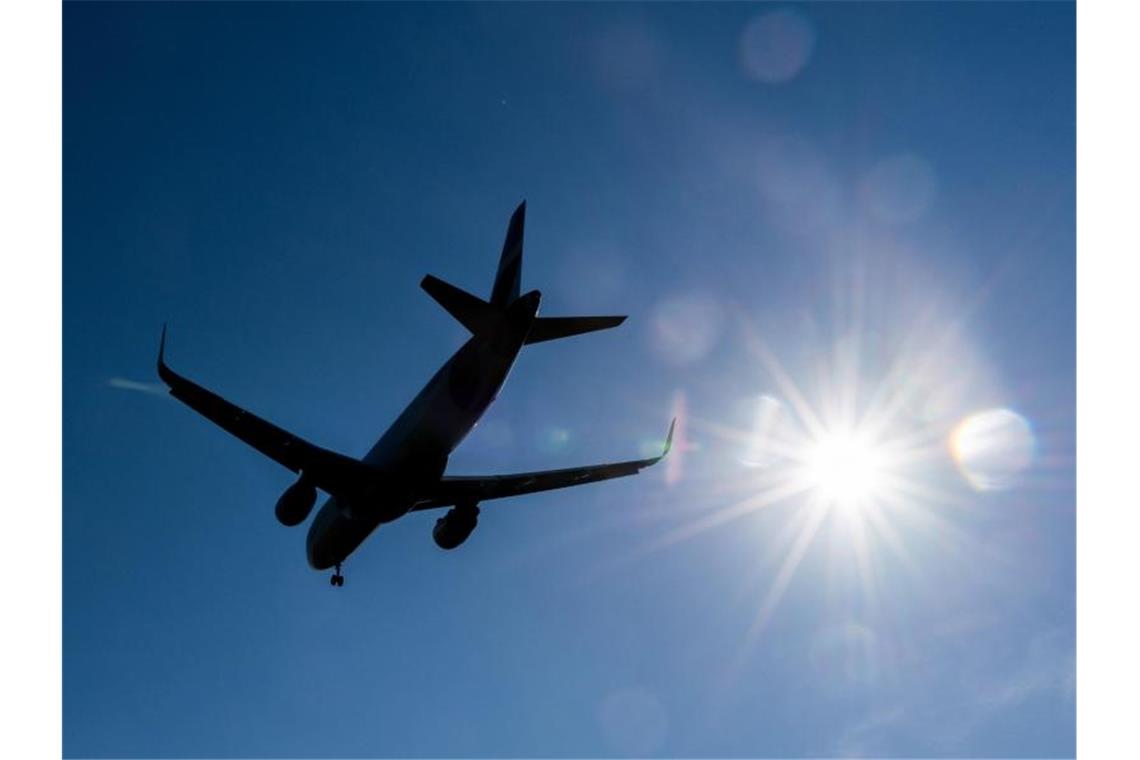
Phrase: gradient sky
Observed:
(866, 206)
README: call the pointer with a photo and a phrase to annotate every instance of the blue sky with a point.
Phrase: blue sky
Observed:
(870, 203)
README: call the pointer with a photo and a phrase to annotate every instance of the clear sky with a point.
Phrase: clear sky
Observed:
(828, 223)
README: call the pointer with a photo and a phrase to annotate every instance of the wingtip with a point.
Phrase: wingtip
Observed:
(162, 353)
(669, 437)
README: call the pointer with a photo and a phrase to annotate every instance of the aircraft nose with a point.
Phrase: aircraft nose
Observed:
(317, 549)
(311, 552)
(320, 556)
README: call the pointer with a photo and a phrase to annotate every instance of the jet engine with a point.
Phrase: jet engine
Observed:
(296, 503)
(453, 528)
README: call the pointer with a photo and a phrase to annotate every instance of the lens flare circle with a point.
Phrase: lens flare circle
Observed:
(776, 46)
(687, 327)
(992, 448)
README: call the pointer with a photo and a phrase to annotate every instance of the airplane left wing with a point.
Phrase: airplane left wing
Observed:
(331, 472)
(472, 489)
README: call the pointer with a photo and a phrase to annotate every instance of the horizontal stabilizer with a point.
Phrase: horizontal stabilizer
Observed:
(552, 328)
(473, 312)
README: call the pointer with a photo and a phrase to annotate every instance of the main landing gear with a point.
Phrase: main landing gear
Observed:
(337, 579)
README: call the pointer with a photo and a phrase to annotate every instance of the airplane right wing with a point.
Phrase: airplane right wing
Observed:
(473, 489)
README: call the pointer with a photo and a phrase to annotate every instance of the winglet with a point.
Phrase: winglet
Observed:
(163, 371)
(668, 445)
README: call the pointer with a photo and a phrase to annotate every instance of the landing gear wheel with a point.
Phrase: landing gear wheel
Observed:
(337, 579)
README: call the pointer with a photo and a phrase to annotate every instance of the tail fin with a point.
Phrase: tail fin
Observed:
(552, 328)
(481, 316)
(506, 288)
(473, 312)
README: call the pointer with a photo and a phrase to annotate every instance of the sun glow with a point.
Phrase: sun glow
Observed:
(845, 469)
(842, 460)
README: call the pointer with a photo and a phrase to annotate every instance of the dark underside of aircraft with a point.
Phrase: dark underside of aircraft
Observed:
(404, 471)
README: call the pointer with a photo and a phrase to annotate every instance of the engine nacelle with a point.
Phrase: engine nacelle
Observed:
(453, 528)
(296, 503)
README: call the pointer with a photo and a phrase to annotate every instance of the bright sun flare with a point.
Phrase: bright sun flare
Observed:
(844, 468)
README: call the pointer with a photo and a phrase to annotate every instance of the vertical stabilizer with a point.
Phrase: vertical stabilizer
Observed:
(506, 288)
(482, 317)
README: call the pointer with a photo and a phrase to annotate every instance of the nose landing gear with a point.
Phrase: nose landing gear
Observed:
(337, 579)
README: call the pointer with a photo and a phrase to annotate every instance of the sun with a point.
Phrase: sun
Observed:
(844, 468)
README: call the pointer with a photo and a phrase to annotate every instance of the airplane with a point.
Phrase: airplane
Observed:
(404, 471)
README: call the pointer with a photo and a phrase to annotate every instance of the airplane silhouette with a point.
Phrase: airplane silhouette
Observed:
(403, 472)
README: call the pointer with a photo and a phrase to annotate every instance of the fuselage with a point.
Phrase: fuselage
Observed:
(412, 454)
